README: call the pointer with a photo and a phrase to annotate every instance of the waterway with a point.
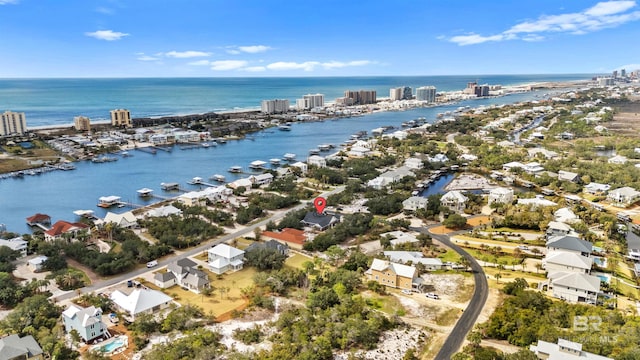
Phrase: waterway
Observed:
(59, 193)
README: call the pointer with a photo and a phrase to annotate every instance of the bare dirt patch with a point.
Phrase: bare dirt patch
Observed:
(626, 121)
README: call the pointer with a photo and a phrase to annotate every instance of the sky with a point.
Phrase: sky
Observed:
(259, 38)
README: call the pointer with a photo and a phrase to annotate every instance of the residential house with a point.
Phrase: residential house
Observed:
(16, 244)
(262, 179)
(500, 195)
(223, 258)
(124, 220)
(399, 237)
(536, 202)
(623, 197)
(13, 347)
(575, 287)
(618, 160)
(390, 177)
(245, 183)
(293, 238)
(512, 165)
(570, 244)
(565, 262)
(86, 321)
(568, 176)
(556, 228)
(320, 222)
(455, 201)
(438, 158)
(186, 274)
(533, 168)
(37, 263)
(566, 216)
(192, 198)
(547, 154)
(565, 350)
(392, 274)
(316, 160)
(282, 249)
(140, 301)
(302, 166)
(596, 188)
(164, 279)
(468, 157)
(358, 151)
(60, 228)
(164, 211)
(413, 258)
(39, 219)
(414, 163)
(414, 203)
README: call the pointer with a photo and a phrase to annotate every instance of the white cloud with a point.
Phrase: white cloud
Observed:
(143, 57)
(290, 65)
(187, 54)
(103, 10)
(255, 69)
(339, 64)
(233, 51)
(606, 14)
(200, 63)
(108, 35)
(224, 65)
(628, 67)
(6, 2)
(254, 48)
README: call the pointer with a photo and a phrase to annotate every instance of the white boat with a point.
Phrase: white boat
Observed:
(257, 165)
(144, 192)
(205, 145)
(314, 151)
(284, 127)
(195, 181)
(289, 156)
(324, 147)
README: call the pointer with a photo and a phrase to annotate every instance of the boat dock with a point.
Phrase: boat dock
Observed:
(122, 204)
(163, 148)
(199, 181)
(148, 150)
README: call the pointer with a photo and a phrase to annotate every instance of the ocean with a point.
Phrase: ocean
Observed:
(59, 193)
(57, 101)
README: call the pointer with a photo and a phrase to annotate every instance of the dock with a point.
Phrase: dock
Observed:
(147, 150)
(163, 148)
(199, 181)
(129, 204)
(173, 186)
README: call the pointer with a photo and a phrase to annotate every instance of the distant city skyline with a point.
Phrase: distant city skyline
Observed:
(253, 38)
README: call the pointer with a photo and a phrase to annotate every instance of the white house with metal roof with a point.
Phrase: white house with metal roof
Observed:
(223, 258)
(562, 261)
(86, 321)
(575, 287)
(563, 350)
(140, 301)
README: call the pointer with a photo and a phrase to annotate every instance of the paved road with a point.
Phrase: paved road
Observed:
(190, 252)
(468, 319)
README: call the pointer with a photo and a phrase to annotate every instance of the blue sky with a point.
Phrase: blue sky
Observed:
(174, 38)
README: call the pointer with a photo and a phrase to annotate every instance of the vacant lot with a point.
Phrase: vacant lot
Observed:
(626, 120)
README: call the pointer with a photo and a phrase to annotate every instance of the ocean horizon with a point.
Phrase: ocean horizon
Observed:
(56, 101)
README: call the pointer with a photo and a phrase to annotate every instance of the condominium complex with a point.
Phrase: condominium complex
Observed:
(13, 123)
(361, 97)
(276, 106)
(400, 93)
(82, 123)
(121, 117)
(310, 101)
(426, 93)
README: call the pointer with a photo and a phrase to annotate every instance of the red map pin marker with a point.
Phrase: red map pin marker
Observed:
(320, 204)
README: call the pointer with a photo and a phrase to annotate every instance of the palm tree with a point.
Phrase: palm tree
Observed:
(497, 276)
(464, 261)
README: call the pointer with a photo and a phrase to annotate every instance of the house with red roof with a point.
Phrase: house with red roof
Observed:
(293, 237)
(38, 218)
(64, 227)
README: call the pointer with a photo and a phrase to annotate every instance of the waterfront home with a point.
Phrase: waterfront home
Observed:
(16, 347)
(569, 244)
(124, 220)
(390, 177)
(623, 197)
(414, 203)
(564, 261)
(293, 238)
(455, 201)
(223, 258)
(16, 244)
(596, 188)
(358, 151)
(618, 160)
(86, 321)
(414, 163)
(414, 257)
(392, 274)
(192, 198)
(564, 349)
(244, 182)
(500, 195)
(140, 301)
(63, 229)
(320, 222)
(568, 176)
(575, 287)
(39, 219)
(164, 211)
(438, 158)
(184, 273)
(282, 249)
(37, 263)
(317, 161)
(262, 179)
(302, 166)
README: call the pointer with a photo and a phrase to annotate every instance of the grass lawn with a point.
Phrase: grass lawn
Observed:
(450, 255)
(217, 303)
(448, 317)
(388, 304)
(462, 238)
(297, 260)
(242, 243)
(510, 230)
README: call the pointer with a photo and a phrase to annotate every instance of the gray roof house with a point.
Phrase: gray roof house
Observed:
(570, 244)
(575, 287)
(414, 257)
(187, 274)
(414, 203)
(623, 197)
(564, 349)
(560, 261)
(320, 221)
(568, 176)
(556, 228)
(271, 244)
(86, 321)
(164, 280)
(15, 347)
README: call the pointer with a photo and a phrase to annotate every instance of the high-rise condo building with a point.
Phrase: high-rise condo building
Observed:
(276, 106)
(426, 93)
(310, 101)
(13, 123)
(623, 73)
(82, 123)
(121, 117)
(361, 97)
(482, 90)
(395, 94)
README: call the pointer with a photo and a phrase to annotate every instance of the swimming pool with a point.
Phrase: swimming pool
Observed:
(112, 345)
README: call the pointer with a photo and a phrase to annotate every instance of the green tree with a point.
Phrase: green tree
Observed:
(455, 221)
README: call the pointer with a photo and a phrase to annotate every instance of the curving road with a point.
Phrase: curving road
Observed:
(190, 252)
(468, 319)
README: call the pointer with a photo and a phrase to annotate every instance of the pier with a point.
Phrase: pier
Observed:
(122, 204)
(148, 150)
(163, 148)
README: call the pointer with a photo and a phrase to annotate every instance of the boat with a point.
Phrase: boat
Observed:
(314, 151)
(235, 169)
(108, 201)
(125, 154)
(170, 186)
(257, 165)
(274, 161)
(144, 192)
(205, 145)
(195, 181)
(218, 178)
(221, 140)
(284, 127)
(325, 147)
(289, 157)
(103, 159)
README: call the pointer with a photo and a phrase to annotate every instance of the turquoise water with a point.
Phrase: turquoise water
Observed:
(114, 345)
(59, 193)
(57, 101)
